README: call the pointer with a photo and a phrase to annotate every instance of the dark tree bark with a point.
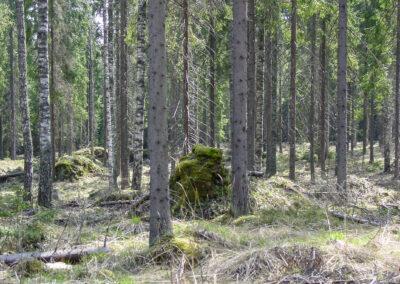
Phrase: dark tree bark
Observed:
(52, 85)
(124, 95)
(397, 100)
(322, 117)
(342, 99)
(160, 215)
(13, 117)
(267, 113)
(365, 123)
(353, 135)
(45, 171)
(259, 98)
(212, 41)
(313, 37)
(1, 138)
(292, 107)
(251, 82)
(386, 133)
(240, 193)
(185, 11)
(139, 98)
(117, 87)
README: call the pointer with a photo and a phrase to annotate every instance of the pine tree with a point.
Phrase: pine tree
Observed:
(292, 111)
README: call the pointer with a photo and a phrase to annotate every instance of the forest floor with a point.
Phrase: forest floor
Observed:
(297, 232)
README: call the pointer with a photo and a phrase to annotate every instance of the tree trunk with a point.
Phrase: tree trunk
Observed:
(322, 117)
(292, 107)
(353, 136)
(267, 114)
(279, 119)
(117, 88)
(397, 100)
(112, 94)
(52, 86)
(1, 138)
(124, 94)
(259, 99)
(371, 127)
(186, 146)
(108, 100)
(13, 118)
(386, 133)
(212, 41)
(312, 94)
(139, 98)
(160, 215)
(91, 107)
(240, 192)
(251, 82)
(342, 99)
(45, 171)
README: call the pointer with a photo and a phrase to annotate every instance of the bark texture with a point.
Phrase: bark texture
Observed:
(323, 106)
(24, 100)
(160, 215)
(91, 107)
(139, 98)
(259, 99)
(13, 116)
(186, 118)
(292, 107)
(45, 171)
(342, 99)
(251, 84)
(240, 194)
(212, 42)
(124, 94)
(312, 94)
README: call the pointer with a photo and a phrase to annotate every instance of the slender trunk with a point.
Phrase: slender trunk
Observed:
(365, 123)
(70, 130)
(139, 98)
(45, 181)
(91, 107)
(386, 133)
(397, 100)
(212, 49)
(259, 98)
(52, 86)
(124, 94)
(292, 111)
(117, 88)
(312, 94)
(280, 126)
(13, 118)
(353, 137)
(342, 99)
(24, 101)
(112, 94)
(267, 89)
(240, 192)
(251, 82)
(271, 116)
(371, 126)
(160, 215)
(185, 8)
(322, 118)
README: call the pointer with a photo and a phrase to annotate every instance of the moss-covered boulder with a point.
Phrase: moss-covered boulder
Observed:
(199, 177)
(99, 153)
(75, 166)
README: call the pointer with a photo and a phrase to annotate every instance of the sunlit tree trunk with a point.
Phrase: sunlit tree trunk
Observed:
(312, 94)
(251, 82)
(91, 103)
(45, 171)
(240, 192)
(342, 99)
(186, 124)
(160, 215)
(24, 101)
(13, 116)
(292, 107)
(139, 97)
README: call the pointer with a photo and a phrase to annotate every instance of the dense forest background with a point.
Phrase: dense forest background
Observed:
(200, 128)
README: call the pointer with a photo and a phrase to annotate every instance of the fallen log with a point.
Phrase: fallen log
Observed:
(359, 220)
(72, 255)
(135, 202)
(4, 178)
(256, 174)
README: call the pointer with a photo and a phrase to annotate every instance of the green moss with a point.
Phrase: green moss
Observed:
(187, 246)
(99, 153)
(75, 166)
(198, 177)
(12, 202)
